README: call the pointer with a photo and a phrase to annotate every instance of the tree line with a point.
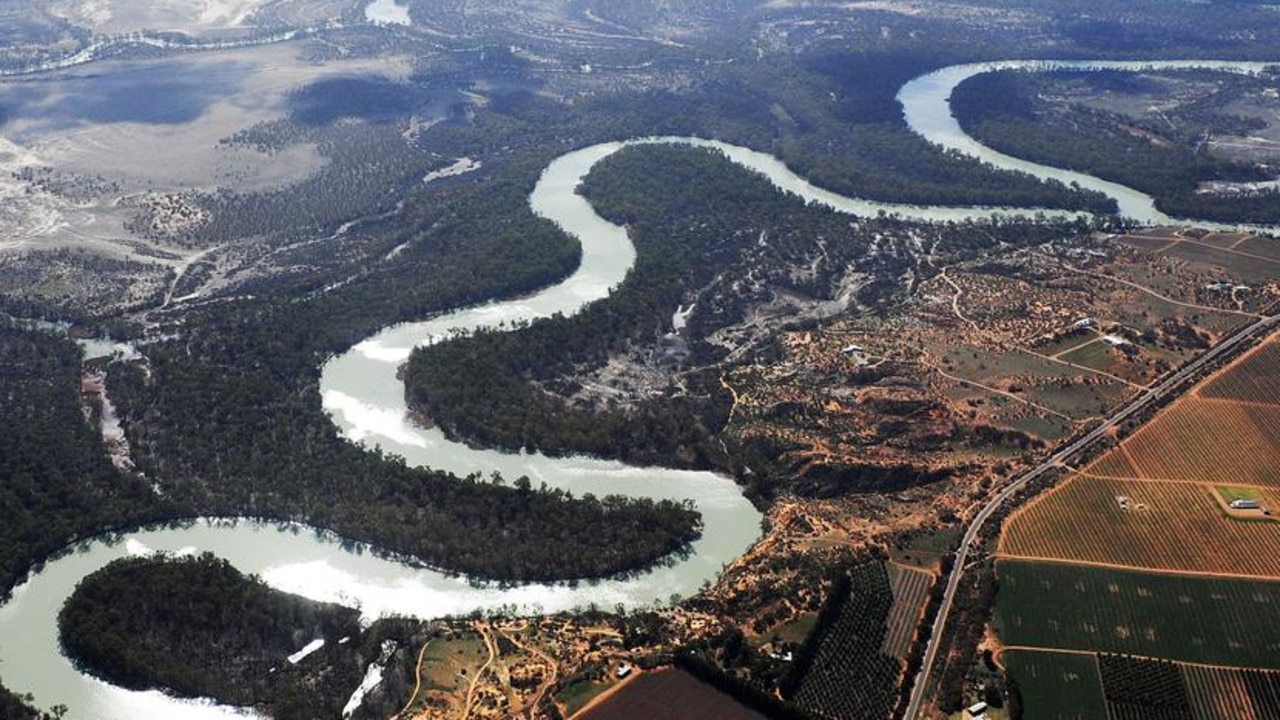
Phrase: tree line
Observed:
(197, 627)
(1004, 110)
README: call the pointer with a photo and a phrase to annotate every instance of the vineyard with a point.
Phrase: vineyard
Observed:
(1217, 693)
(1256, 378)
(910, 591)
(1186, 442)
(1139, 689)
(1084, 686)
(1158, 526)
(1057, 686)
(1157, 502)
(1193, 619)
(850, 677)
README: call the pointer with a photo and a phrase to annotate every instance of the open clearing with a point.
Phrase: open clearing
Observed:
(189, 16)
(1219, 621)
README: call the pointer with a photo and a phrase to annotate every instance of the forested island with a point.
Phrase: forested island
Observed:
(237, 302)
(196, 627)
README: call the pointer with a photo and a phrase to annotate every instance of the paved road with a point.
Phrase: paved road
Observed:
(1248, 334)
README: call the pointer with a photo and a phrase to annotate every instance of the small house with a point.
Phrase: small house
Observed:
(1245, 504)
(976, 710)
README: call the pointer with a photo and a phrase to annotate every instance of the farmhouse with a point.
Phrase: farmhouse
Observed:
(1245, 504)
(976, 710)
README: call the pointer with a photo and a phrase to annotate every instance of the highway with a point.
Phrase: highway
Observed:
(1171, 383)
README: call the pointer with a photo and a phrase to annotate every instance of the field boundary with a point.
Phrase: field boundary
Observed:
(1066, 651)
(999, 555)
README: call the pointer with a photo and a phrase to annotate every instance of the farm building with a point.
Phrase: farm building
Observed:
(1245, 504)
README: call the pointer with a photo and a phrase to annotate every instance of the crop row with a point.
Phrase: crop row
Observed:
(1198, 439)
(1222, 621)
(910, 591)
(1084, 686)
(1152, 525)
(850, 676)
(1255, 378)
(1217, 693)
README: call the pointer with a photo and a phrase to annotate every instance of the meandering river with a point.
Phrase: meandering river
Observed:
(364, 397)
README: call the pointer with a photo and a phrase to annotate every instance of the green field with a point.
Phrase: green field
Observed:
(1057, 686)
(1231, 492)
(578, 693)
(795, 631)
(1096, 355)
(1222, 621)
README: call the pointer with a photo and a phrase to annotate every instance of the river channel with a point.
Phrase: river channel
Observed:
(363, 395)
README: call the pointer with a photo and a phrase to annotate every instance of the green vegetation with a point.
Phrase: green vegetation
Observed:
(56, 483)
(1222, 621)
(500, 405)
(942, 540)
(697, 221)
(1056, 686)
(1231, 493)
(578, 693)
(795, 631)
(197, 627)
(1138, 689)
(847, 132)
(842, 671)
(229, 420)
(1006, 111)
(15, 707)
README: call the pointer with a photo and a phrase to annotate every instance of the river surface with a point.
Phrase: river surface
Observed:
(366, 400)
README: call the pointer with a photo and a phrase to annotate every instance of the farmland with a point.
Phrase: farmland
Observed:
(1071, 686)
(1223, 693)
(1158, 500)
(910, 590)
(1143, 689)
(670, 694)
(1057, 686)
(1192, 619)
(1256, 378)
(1185, 442)
(1171, 526)
(1158, 503)
(850, 676)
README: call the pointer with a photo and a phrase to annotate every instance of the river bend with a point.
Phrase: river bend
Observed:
(366, 400)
